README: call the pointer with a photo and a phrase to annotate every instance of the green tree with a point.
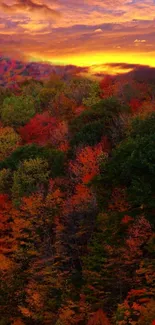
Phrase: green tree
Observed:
(47, 96)
(105, 110)
(55, 158)
(17, 110)
(102, 119)
(30, 175)
(132, 165)
(4, 92)
(78, 89)
(55, 81)
(93, 96)
(90, 134)
(33, 88)
(9, 141)
(5, 176)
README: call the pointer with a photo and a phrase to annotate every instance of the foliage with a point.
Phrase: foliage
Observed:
(102, 119)
(39, 129)
(63, 107)
(132, 164)
(94, 95)
(47, 95)
(30, 175)
(5, 175)
(77, 189)
(17, 110)
(54, 157)
(4, 92)
(89, 135)
(79, 89)
(99, 318)
(9, 141)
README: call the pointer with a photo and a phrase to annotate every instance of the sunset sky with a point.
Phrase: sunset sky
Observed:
(94, 33)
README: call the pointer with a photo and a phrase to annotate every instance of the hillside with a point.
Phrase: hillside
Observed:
(14, 71)
(77, 189)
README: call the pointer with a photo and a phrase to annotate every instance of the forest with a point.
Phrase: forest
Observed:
(77, 201)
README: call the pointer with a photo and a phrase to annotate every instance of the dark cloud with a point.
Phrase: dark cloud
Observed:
(77, 69)
(144, 74)
(140, 73)
(99, 75)
(124, 66)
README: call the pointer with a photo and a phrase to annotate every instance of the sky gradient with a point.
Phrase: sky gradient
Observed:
(95, 33)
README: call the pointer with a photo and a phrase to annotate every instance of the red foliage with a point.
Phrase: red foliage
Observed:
(7, 214)
(126, 219)
(5, 203)
(79, 110)
(99, 318)
(135, 105)
(82, 200)
(106, 86)
(138, 234)
(86, 164)
(39, 129)
(44, 129)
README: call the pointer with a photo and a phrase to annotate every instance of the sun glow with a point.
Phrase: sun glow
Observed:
(100, 62)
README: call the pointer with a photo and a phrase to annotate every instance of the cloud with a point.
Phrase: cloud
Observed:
(88, 31)
(124, 66)
(98, 30)
(139, 41)
(141, 73)
(2, 25)
(29, 7)
(32, 26)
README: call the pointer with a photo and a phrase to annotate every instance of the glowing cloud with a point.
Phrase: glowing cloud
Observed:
(90, 32)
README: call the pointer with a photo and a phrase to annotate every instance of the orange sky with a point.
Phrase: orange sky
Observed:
(91, 33)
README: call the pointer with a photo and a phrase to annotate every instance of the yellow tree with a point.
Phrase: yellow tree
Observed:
(9, 141)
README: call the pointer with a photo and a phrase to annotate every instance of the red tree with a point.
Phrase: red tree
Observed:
(43, 129)
(107, 87)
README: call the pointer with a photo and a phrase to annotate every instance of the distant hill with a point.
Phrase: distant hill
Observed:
(14, 71)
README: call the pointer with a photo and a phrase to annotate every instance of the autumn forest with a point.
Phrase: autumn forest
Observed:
(77, 200)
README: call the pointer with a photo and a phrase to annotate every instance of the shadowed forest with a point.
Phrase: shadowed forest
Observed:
(77, 199)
